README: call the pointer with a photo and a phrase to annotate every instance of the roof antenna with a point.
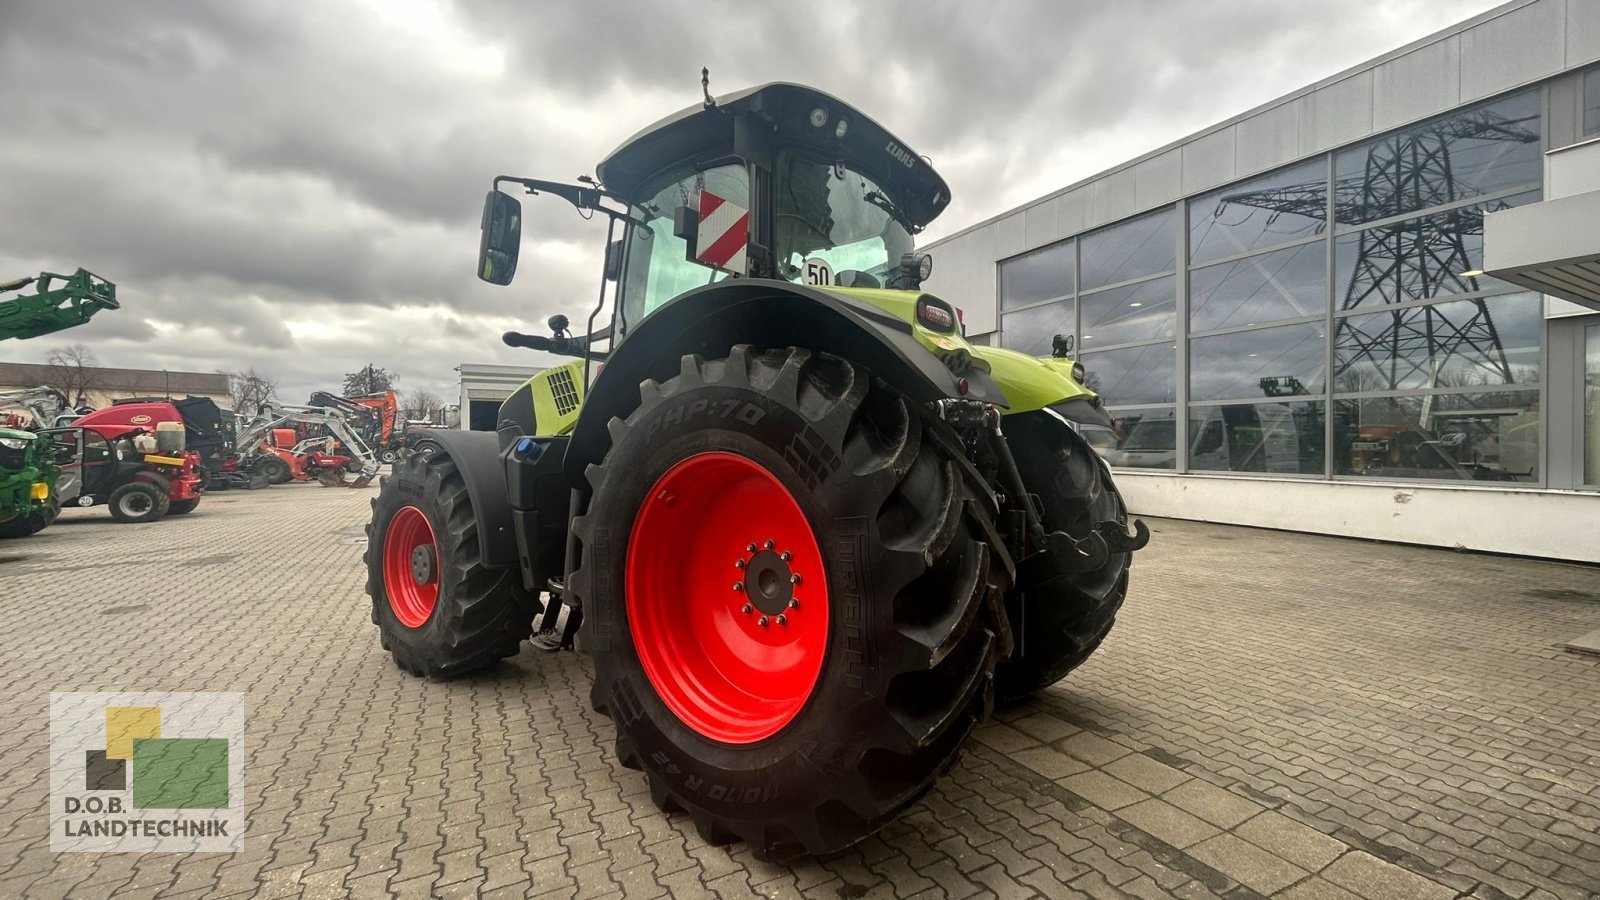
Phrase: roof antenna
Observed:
(705, 87)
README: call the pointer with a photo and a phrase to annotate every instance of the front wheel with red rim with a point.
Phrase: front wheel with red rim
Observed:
(439, 610)
(791, 596)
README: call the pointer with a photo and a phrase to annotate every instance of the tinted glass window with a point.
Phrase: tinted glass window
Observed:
(658, 267)
(1265, 362)
(1286, 438)
(1459, 344)
(1468, 154)
(1591, 405)
(1030, 330)
(1262, 212)
(1133, 249)
(1133, 375)
(1145, 439)
(1591, 103)
(1416, 259)
(1044, 274)
(1283, 284)
(1491, 436)
(1136, 312)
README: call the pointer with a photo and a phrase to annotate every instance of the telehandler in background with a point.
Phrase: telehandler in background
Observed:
(815, 534)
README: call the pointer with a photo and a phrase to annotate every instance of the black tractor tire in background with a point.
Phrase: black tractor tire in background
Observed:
(276, 470)
(353, 466)
(138, 502)
(482, 614)
(915, 571)
(183, 507)
(31, 523)
(388, 455)
(1059, 624)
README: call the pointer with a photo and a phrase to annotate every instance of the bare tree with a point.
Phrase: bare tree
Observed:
(420, 404)
(251, 390)
(369, 379)
(74, 372)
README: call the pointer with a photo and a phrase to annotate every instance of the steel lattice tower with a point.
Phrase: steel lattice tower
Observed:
(1411, 260)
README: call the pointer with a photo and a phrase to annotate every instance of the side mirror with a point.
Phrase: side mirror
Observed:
(614, 260)
(502, 237)
(1061, 345)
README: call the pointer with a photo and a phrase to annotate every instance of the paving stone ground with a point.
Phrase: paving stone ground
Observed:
(1275, 714)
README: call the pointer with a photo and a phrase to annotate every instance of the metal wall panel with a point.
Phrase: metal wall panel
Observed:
(1158, 180)
(1336, 114)
(1113, 197)
(1269, 138)
(1208, 161)
(1422, 83)
(1056, 218)
(1521, 46)
(964, 273)
(1011, 236)
(1583, 32)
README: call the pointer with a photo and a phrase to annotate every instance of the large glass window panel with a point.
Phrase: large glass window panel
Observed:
(1284, 438)
(1591, 405)
(1282, 284)
(1133, 249)
(1133, 375)
(1145, 439)
(1284, 206)
(1489, 436)
(1134, 312)
(1266, 362)
(1043, 274)
(1030, 330)
(1467, 154)
(1591, 103)
(1416, 259)
(1464, 343)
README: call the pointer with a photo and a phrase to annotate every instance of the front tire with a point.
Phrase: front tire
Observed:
(1059, 624)
(276, 470)
(138, 502)
(183, 507)
(803, 736)
(388, 455)
(31, 523)
(439, 610)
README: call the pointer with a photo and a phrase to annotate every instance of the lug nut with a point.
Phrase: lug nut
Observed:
(794, 603)
(738, 587)
(751, 548)
(794, 578)
(738, 564)
(786, 556)
(771, 543)
(782, 619)
(745, 609)
(762, 621)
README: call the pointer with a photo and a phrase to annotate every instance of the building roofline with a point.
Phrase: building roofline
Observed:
(1434, 38)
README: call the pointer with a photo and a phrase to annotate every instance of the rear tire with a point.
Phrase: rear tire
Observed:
(912, 575)
(1058, 625)
(444, 613)
(183, 507)
(138, 502)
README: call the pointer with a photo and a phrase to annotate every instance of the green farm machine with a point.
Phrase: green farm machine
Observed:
(29, 468)
(813, 533)
(59, 302)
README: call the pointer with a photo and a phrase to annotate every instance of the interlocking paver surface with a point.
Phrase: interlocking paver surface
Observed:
(1274, 712)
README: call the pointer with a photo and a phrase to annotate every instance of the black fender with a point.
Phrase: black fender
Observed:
(1085, 412)
(767, 313)
(477, 457)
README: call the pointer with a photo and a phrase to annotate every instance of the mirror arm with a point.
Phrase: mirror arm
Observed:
(584, 198)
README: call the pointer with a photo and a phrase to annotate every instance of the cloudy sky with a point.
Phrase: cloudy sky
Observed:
(295, 187)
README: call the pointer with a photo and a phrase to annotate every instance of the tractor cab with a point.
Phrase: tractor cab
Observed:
(778, 182)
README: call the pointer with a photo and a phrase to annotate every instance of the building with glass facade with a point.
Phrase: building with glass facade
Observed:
(1290, 316)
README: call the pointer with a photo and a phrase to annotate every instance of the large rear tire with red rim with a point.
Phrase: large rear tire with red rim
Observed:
(439, 610)
(793, 588)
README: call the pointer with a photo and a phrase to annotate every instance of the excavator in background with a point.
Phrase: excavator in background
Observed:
(260, 450)
(50, 309)
(35, 408)
(375, 416)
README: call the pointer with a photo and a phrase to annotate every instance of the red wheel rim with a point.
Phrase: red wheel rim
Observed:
(411, 567)
(727, 597)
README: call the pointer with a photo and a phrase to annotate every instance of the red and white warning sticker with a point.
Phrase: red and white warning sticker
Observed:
(724, 233)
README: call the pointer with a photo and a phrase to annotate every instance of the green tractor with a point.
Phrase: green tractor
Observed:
(51, 308)
(28, 472)
(813, 533)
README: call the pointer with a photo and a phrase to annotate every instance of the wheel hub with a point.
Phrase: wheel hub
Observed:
(422, 564)
(768, 582)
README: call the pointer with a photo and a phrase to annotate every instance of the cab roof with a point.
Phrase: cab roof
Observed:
(785, 109)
